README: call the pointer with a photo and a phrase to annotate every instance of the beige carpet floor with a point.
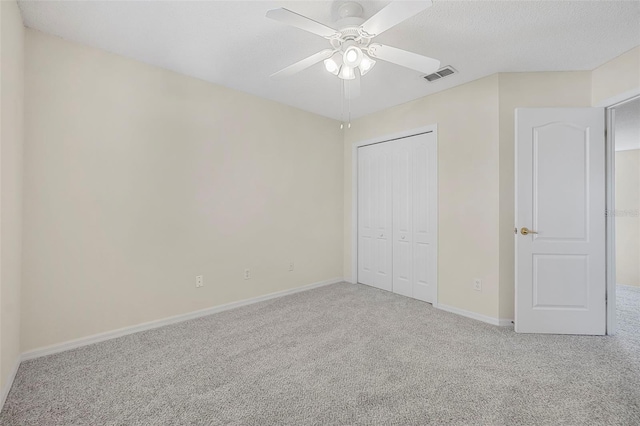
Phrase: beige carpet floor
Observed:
(338, 355)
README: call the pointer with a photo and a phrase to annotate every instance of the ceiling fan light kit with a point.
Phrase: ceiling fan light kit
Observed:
(353, 40)
(366, 64)
(332, 64)
(347, 73)
(344, 64)
(352, 54)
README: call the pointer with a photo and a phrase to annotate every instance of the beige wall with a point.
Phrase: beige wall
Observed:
(467, 119)
(138, 179)
(542, 89)
(11, 145)
(627, 217)
(617, 77)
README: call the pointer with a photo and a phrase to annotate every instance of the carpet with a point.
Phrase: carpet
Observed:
(342, 354)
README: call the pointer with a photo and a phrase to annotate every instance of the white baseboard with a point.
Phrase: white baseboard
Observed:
(4, 392)
(505, 322)
(628, 286)
(84, 341)
(473, 315)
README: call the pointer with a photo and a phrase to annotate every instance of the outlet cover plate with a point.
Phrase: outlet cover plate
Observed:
(477, 284)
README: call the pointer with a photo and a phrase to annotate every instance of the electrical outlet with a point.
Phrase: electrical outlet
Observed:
(291, 265)
(247, 274)
(477, 284)
(199, 280)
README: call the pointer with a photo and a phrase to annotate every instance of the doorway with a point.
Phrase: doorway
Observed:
(624, 215)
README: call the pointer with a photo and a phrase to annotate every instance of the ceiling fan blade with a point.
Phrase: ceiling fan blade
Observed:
(393, 14)
(404, 58)
(352, 87)
(296, 20)
(303, 64)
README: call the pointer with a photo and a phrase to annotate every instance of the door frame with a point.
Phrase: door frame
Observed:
(610, 176)
(610, 222)
(432, 128)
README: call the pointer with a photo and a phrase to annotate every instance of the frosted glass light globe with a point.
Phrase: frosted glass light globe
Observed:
(352, 56)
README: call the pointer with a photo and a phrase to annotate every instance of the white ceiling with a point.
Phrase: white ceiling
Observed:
(231, 43)
(627, 126)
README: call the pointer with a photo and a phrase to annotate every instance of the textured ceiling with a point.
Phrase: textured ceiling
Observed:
(231, 43)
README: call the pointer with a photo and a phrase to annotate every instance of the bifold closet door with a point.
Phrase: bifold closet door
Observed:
(414, 174)
(375, 216)
(402, 171)
(397, 216)
(424, 197)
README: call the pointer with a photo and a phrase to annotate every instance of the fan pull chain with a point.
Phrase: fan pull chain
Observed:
(345, 93)
(349, 125)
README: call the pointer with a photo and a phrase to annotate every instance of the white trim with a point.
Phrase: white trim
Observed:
(7, 386)
(628, 286)
(502, 322)
(100, 337)
(354, 192)
(613, 100)
(505, 322)
(515, 216)
(610, 225)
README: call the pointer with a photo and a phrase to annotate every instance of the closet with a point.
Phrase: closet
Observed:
(397, 216)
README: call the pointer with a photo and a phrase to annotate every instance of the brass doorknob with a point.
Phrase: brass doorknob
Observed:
(526, 231)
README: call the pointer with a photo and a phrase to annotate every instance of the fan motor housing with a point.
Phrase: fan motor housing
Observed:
(350, 14)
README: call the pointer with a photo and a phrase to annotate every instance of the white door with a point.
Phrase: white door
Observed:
(425, 217)
(403, 195)
(403, 174)
(560, 219)
(374, 216)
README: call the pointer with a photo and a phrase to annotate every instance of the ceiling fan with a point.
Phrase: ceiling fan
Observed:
(352, 52)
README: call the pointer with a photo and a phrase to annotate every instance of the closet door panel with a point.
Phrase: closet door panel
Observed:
(374, 217)
(382, 216)
(424, 200)
(402, 217)
(365, 217)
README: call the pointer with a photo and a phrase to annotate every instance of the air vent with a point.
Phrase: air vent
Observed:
(441, 73)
